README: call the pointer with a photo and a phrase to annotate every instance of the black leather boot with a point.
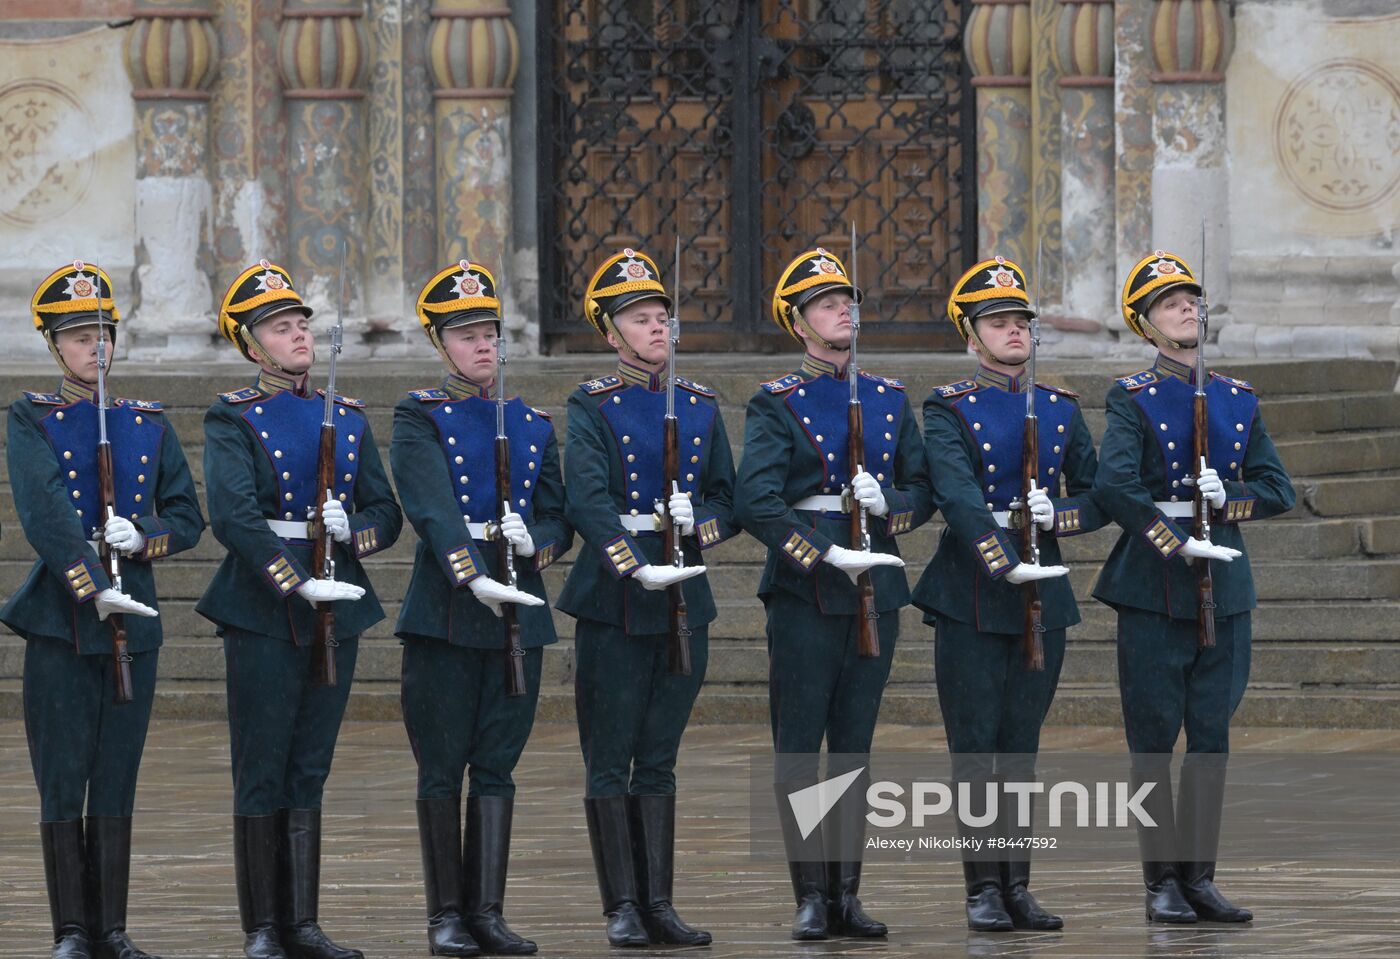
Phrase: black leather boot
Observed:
(807, 867)
(610, 836)
(63, 873)
(1025, 911)
(487, 859)
(109, 875)
(1165, 900)
(844, 836)
(986, 909)
(255, 842)
(1198, 817)
(301, 932)
(440, 839)
(654, 847)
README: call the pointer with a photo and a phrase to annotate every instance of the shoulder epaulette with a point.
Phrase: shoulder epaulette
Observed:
(1233, 382)
(539, 412)
(1136, 381)
(1058, 389)
(344, 400)
(149, 405)
(955, 389)
(694, 387)
(45, 399)
(241, 396)
(783, 384)
(428, 396)
(887, 381)
(601, 385)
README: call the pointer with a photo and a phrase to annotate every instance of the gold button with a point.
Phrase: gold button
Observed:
(807, 421)
(140, 477)
(1163, 427)
(348, 477)
(351, 437)
(1059, 429)
(288, 515)
(801, 392)
(1237, 446)
(1234, 466)
(977, 426)
(879, 476)
(693, 401)
(889, 417)
(879, 389)
(447, 409)
(690, 477)
(342, 497)
(458, 461)
(831, 457)
(143, 459)
(257, 409)
(1171, 445)
(59, 415)
(626, 439)
(631, 457)
(351, 457)
(68, 454)
(1057, 449)
(452, 441)
(528, 418)
(77, 495)
(1054, 398)
(636, 495)
(533, 448)
(341, 412)
(695, 459)
(1152, 391)
(286, 476)
(992, 468)
(138, 421)
(527, 484)
(633, 477)
(888, 436)
(987, 446)
(972, 399)
(617, 399)
(1239, 427)
(531, 466)
(886, 457)
(461, 479)
(819, 437)
(1234, 391)
(696, 441)
(137, 497)
(72, 474)
(264, 434)
(287, 497)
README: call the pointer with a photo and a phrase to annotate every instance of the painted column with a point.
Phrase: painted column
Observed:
(1191, 42)
(998, 48)
(473, 53)
(1084, 48)
(321, 58)
(172, 56)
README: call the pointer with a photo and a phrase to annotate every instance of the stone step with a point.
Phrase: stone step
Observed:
(1357, 452)
(1350, 496)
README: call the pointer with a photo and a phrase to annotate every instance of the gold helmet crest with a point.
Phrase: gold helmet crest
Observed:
(808, 276)
(624, 278)
(260, 291)
(995, 285)
(1153, 276)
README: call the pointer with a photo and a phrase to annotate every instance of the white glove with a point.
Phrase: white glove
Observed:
(110, 601)
(513, 529)
(122, 535)
(334, 517)
(328, 591)
(1211, 487)
(1201, 549)
(1026, 572)
(659, 577)
(867, 492)
(681, 512)
(853, 562)
(493, 594)
(1041, 511)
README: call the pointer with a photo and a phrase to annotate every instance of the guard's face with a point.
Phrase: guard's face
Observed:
(829, 316)
(287, 340)
(1174, 314)
(1007, 336)
(78, 349)
(472, 349)
(643, 326)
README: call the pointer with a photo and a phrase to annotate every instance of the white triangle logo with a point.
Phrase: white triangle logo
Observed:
(810, 804)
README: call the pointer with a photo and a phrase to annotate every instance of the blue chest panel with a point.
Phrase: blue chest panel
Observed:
(135, 435)
(821, 408)
(289, 428)
(1169, 408)
(636, 416)
(467, 432)
(997, 420)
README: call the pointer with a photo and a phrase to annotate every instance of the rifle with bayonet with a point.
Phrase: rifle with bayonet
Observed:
(1033, 633)
(106, 491)
(678, 618)
(322, 559)
(1200, 506)
(505, 549)
(867, 634)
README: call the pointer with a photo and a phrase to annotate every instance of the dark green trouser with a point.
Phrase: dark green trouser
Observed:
(459, 717)
(282, 724)
(1166, 682)
(84, 748)
(631, 710)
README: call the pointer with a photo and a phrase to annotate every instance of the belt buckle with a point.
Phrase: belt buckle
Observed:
(847, 499)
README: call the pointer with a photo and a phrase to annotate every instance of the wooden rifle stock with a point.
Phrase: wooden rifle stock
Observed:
(325, 643)
(867, 636)
(505, 573)
(1033, 635)
(121, 656)
(678, 625)
(1200, 526)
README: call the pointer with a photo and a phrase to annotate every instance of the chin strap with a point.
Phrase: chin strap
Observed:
(255, 351)
(58, 357)
(1158, 338)
(803, 324)
(983, 349)
(626, 347)
(442, 351)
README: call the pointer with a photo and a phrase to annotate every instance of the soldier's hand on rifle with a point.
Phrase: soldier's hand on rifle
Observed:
(1203, 549)
(122, 535)
(853, 562)
(681, 512)
(336, 521)
(492, 594)
(1211, 487)
(1026, 572)
(110, 601)
(328, 591)
(513, 529)
(659, 577)
(866, 489)
(1041, 510)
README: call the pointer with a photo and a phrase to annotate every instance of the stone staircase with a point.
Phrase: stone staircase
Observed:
(1327, 631)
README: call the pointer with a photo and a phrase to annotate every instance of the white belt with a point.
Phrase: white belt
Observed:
(290, 529)
(642, 523)
(1002, 517)
(1178, 509)
(478, 530)
(821, 504)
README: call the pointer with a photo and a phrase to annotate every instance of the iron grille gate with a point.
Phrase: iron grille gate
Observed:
(753, 128)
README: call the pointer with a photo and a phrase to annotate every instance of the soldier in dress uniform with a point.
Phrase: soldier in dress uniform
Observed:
(632, 710)
(455, 696)
(260, 454)
(86, 749)
(993, 705)
(791, 481)
(1165, 678)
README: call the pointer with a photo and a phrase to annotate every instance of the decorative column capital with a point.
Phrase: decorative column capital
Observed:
(1191, 40)
(998, 43)
(322, 50)
(473, 51)
(1084, 43)
(172, 50)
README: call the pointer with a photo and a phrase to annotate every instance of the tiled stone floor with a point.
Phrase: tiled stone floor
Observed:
(183, 901)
